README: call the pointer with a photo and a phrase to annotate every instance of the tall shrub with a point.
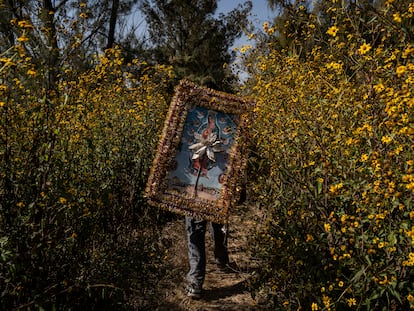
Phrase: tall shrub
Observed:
(335, 129)
(75, 232)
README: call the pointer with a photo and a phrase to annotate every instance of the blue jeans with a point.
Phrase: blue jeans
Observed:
(196, 230)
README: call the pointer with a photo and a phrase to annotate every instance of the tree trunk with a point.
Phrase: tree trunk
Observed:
(112, 24)
(53, 59)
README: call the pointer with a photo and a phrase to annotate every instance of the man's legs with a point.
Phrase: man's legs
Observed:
(219, 235)
(196, 230)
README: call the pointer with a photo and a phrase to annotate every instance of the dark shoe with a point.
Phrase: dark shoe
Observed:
(193, 291)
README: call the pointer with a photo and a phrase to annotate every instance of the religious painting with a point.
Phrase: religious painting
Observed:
(200, 159)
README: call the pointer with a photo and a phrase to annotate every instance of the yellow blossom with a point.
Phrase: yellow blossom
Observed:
(31, 72)
(23, 39)
(397, 17)
(25, 25)
(401, 70)
(365, 48)
(351, 302)
(334, 65)
(327, 227)
(334, 188)
(332, 31)
(309, 238)
(379, 88)
(314, 306)
(386, 139)
(326, 300)
(245, 48)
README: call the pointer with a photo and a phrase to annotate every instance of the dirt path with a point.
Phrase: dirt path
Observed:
(221, 291)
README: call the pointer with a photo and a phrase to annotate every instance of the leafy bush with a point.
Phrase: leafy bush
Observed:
(74, 228)
(334, 127)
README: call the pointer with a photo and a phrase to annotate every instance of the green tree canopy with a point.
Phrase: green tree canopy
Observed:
(189, 36)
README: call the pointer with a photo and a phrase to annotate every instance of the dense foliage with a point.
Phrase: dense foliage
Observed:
(189, 36)
(74, 228)
(331, 167)
(334, 160)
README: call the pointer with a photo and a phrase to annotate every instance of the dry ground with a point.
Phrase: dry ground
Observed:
(221, 291)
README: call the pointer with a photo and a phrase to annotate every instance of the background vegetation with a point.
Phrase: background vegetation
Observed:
(334, 162)
(82, 101)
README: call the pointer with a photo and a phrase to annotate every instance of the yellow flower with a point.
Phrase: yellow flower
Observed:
(7, 61)
(341, 284)
(2, 104)
(270, 31)
(379, 88)
(410, 298)
(365, 48)
(314, 306)
(401, 70)
(332, 31)
(334, 65)
(397, 17)
(351, 302)
(244, 48)
(364, 157)
(326, 300)
(327, 227)
(334, 188)
(309, 238)
(386, 139)
(25, 25)
(23, 39)
(31, 72)
(62, 200)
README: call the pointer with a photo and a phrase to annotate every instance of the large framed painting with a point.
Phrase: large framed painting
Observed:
(201, 156)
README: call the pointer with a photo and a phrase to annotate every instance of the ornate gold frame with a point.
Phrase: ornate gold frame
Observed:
(160, 192)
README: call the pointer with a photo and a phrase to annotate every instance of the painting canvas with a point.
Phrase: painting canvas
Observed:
(200, 159)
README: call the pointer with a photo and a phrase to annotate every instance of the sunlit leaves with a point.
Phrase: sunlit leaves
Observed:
(334, 126)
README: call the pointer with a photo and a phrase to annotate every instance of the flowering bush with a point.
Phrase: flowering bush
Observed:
(335, 128)
(74, 163)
